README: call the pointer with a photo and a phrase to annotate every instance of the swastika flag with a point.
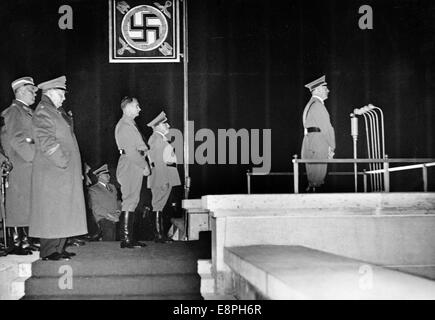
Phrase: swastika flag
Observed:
(144, 31)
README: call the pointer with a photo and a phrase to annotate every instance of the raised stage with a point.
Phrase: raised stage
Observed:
(393, 231)
(269, 246)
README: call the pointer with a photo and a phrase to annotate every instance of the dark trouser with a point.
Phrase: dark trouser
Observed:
(49, 246)
(108, 229)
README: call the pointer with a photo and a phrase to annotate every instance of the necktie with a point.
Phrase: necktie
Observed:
(108, 188)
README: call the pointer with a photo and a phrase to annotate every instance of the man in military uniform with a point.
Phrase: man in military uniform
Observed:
(19, 147)
(5, 169)
(131, 169)
(319, 136)
(57, 199)
(164, 173)
(103, 200)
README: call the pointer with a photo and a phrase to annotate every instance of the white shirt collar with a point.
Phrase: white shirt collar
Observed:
(105, 185)
(164, 136)
(22, 102)
(314, 96)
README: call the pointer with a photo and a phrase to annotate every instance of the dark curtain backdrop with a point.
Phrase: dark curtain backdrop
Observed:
(249, 61)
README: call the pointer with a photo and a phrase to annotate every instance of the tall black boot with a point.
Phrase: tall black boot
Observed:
(158, 231)
(125, 228)
(131, 223)
(163, 230)
(15, 244)
(26, 242)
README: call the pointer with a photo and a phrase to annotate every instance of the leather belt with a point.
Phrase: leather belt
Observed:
(171, 165)
(313, 129)
(141, 152)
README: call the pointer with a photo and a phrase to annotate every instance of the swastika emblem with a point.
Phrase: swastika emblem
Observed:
(144, 31)
(144, 28)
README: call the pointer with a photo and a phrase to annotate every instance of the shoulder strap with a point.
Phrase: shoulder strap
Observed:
(307, 109)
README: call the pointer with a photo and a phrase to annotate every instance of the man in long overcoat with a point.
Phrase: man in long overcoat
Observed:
(58, 206)
(319, 135)
(164, 174)
(18, 145)
(5, 168)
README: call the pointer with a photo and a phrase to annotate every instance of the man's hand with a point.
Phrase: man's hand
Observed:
(112, 217)
(331, 153)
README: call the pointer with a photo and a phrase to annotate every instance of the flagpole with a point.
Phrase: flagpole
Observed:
(186, 102)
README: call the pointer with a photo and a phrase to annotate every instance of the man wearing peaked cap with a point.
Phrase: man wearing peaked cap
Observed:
(58, 83)
(101, 170)
(18, 143)
(24, 81)
(157, 120)
(132, 167)
(164, 174)
(103, 200)
(319, 135)
(57, 200)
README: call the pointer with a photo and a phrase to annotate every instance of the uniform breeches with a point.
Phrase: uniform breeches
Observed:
(160, 196)
(315, 146)
(131, 183)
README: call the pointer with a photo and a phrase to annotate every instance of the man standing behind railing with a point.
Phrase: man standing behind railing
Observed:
(319, 136)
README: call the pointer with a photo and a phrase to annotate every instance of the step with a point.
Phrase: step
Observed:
(296, 272)
(115, 297)
(422, 201)
(14, 270)
(159, 284)
(156, 258)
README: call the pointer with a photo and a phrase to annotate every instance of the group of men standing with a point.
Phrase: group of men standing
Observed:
(45, 198)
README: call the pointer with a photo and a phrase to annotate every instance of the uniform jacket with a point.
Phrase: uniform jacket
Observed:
(18, 145)
(316, 115)
(57, 200)
(102, 201)
(161, 174)
(129, 139)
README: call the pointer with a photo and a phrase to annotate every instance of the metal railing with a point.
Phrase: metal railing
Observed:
(249, 174)
(422, 164)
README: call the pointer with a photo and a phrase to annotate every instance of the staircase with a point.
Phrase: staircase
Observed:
(101, 270)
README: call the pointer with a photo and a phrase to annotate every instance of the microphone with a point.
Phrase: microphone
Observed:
(364, 109)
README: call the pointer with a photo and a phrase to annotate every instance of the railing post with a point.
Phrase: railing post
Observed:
(365, 180)
(248, 180)
(386, 175)
(295, 173)
(424, 172)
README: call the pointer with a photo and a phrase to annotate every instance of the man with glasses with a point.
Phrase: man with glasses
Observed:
(19, 147)
(132, 167)
(57, 200)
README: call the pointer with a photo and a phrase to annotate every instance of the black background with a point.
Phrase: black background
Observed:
(248, 63)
